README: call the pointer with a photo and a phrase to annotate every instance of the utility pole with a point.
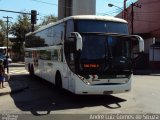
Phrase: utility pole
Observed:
(132, 13)
(124, 10)
(7, 41)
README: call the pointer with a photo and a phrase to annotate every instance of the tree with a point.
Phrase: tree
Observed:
(22, 27)
(48, 19)
(2, 32)
(19, 29)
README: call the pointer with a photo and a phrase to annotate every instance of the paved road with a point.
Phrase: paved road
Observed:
(41, 98)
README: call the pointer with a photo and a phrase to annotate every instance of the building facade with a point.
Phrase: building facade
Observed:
(143, 18)
(76, 7)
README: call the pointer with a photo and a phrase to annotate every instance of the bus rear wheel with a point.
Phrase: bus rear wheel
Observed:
(58, 81)
(31, 70)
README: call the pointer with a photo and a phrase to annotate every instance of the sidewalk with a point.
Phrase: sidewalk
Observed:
(13, 86)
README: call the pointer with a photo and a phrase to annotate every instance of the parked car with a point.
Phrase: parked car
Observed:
(3, 57)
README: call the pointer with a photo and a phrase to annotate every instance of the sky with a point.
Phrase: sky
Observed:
(48, 7)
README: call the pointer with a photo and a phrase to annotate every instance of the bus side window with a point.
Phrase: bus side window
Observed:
(62, 36)
(69, 28)
(54, 55)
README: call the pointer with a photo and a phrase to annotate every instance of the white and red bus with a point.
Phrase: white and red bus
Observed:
(84, 54)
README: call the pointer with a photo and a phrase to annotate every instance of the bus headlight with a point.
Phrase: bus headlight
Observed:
(84, 80)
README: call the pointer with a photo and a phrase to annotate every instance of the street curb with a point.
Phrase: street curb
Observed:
(15, 90)
(19, 89)
(146, 72)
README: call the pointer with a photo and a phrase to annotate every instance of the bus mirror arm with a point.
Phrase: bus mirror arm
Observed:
(79, 43)
(141, 43)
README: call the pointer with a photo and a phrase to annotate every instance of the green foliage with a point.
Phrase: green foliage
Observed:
(48, 19)
(17, 47)
(21, 27)
(18, 30)
(2, 32)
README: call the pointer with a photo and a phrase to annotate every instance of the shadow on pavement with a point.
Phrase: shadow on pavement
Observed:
(151, 72)
(43, 96)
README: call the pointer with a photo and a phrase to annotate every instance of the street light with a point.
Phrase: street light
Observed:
(112, 5)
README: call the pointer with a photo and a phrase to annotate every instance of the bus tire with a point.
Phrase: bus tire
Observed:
(29, 68)
(31, 71)
(58, 80)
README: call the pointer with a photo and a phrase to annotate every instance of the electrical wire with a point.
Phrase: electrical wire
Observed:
(113, 11)
(45, 2)
(39, 1)
(109, 13)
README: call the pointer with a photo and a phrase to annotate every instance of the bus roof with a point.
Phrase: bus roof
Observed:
(81, 17)
(3, 47)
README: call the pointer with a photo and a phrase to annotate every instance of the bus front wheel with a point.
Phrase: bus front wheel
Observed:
(58, 81)
(31, 71)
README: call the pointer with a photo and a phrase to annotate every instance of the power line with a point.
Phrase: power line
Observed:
(14, 12)
(130, 2)
(39, 1)
(45, 2)
(110, 12)
(57, 5)
(115, 1)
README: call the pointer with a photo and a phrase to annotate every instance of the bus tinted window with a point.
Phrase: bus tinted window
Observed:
(47, 37)
(101, 26)
(93, 47)
(28, 54)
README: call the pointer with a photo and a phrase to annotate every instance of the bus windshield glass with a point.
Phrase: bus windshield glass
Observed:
(94, 47)
(101, 26)
(100, 51)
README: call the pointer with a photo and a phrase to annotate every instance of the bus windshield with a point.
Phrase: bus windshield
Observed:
(100, 51)
(101, 26)
(94, 47)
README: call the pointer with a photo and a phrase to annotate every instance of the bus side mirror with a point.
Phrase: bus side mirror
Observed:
(137, 46)
(78, 40)
(140, 42)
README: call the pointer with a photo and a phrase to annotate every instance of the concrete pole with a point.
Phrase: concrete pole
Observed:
(7, 41)
(76, 7)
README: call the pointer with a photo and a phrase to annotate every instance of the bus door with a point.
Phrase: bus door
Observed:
(70, 53)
